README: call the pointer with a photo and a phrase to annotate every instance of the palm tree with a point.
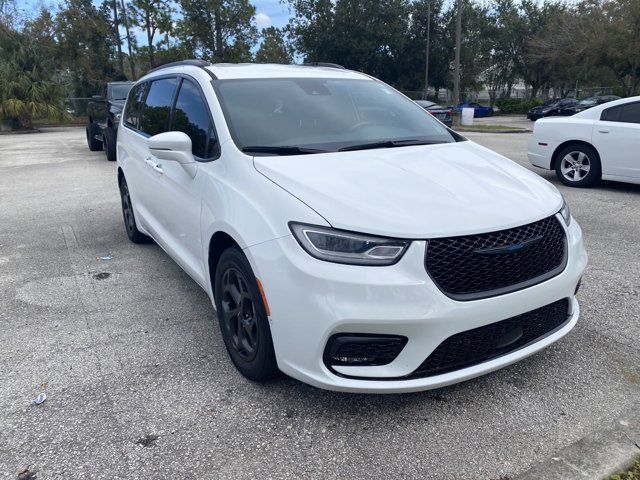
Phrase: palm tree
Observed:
(26, 91)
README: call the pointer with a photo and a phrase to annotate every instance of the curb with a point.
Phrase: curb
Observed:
(595, 456)
(494, 131)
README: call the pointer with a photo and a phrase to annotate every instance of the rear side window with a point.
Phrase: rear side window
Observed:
(134, 105)
(157, 106)
(191, 116)
(629, 113)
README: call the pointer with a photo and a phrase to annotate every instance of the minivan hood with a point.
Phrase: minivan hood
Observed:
(415, 192)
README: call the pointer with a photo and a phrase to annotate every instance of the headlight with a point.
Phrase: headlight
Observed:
(565, 212)
(345, 247)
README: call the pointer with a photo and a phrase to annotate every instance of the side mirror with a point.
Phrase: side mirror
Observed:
(175, 146)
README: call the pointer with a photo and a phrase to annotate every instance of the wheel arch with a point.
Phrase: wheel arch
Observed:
(562, 146)
(218, 243)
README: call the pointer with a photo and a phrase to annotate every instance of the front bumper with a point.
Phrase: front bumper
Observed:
(310, 300)
(540, 155)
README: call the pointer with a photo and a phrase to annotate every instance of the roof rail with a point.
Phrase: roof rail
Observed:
(323, 64)
(190, 62)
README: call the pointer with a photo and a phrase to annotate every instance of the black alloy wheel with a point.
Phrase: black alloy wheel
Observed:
(243, 318)
(239, 315)
(135, 235)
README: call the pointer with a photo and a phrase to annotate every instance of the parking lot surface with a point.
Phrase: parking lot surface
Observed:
(138, 384)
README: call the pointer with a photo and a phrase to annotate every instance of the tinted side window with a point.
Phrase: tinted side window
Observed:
(611, 114)
(134, 105)
(191, 116)
(630, 113)
(157, 106)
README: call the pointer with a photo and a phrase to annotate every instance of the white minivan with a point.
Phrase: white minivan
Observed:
(345, 237)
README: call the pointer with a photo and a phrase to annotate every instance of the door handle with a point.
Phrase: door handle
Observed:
(156, 166)
(604, 130)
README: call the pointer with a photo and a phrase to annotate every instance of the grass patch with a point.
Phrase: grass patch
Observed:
(633, 474)
(488, 128)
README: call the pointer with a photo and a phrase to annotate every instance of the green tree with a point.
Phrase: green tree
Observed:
(364, 35)
(27, 90)
(274, 47)
(153, 17)
(411, 67)
(600, 37)
(85, 45)
(475, 52)
(219, 30)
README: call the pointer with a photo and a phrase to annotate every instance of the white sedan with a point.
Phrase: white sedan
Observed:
(601, 143)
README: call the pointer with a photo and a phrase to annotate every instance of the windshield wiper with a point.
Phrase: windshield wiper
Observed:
(281, 150)
(389, 144)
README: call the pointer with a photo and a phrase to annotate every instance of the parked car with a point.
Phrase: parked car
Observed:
(599, 143)
(589, 102)
(552, 107)
(302, 200)
(445, 115)
(104, 115)
(478, 110)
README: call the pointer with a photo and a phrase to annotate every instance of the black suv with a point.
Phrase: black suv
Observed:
(104, 115)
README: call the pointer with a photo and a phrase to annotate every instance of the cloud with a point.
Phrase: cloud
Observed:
(263, 20)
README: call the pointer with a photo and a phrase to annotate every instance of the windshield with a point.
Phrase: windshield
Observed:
(314, 115)
(589, 101)
(119, 91)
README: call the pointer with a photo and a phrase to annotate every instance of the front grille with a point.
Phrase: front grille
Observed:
(488, 264)
(480, 344)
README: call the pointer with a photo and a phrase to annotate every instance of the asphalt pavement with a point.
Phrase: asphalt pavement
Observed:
(127, 349)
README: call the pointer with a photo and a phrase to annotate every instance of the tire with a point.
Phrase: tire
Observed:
(94, 145)
(109, 143)
(578, 166)
(135, 235)
(242, 317)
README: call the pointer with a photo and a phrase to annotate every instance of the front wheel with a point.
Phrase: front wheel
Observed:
(93, 144)
(135, 235)
(578, 166)
(242, 317)
(110, 143)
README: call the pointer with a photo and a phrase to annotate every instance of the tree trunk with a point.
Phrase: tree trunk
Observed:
(456, 69)
(125, 21)
(219, 52)
(149, 39)
(426, 51)
(534, 89)
(116, 30)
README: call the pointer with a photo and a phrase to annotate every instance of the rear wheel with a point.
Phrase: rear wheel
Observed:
(578, 166)
(109, 143)
(135, 235)
(242, 317)
(94, 144)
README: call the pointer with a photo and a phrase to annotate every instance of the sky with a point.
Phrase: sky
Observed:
(268, 12)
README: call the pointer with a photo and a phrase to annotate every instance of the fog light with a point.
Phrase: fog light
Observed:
(354, 349)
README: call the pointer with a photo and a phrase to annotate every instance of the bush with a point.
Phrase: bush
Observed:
(516, 105)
